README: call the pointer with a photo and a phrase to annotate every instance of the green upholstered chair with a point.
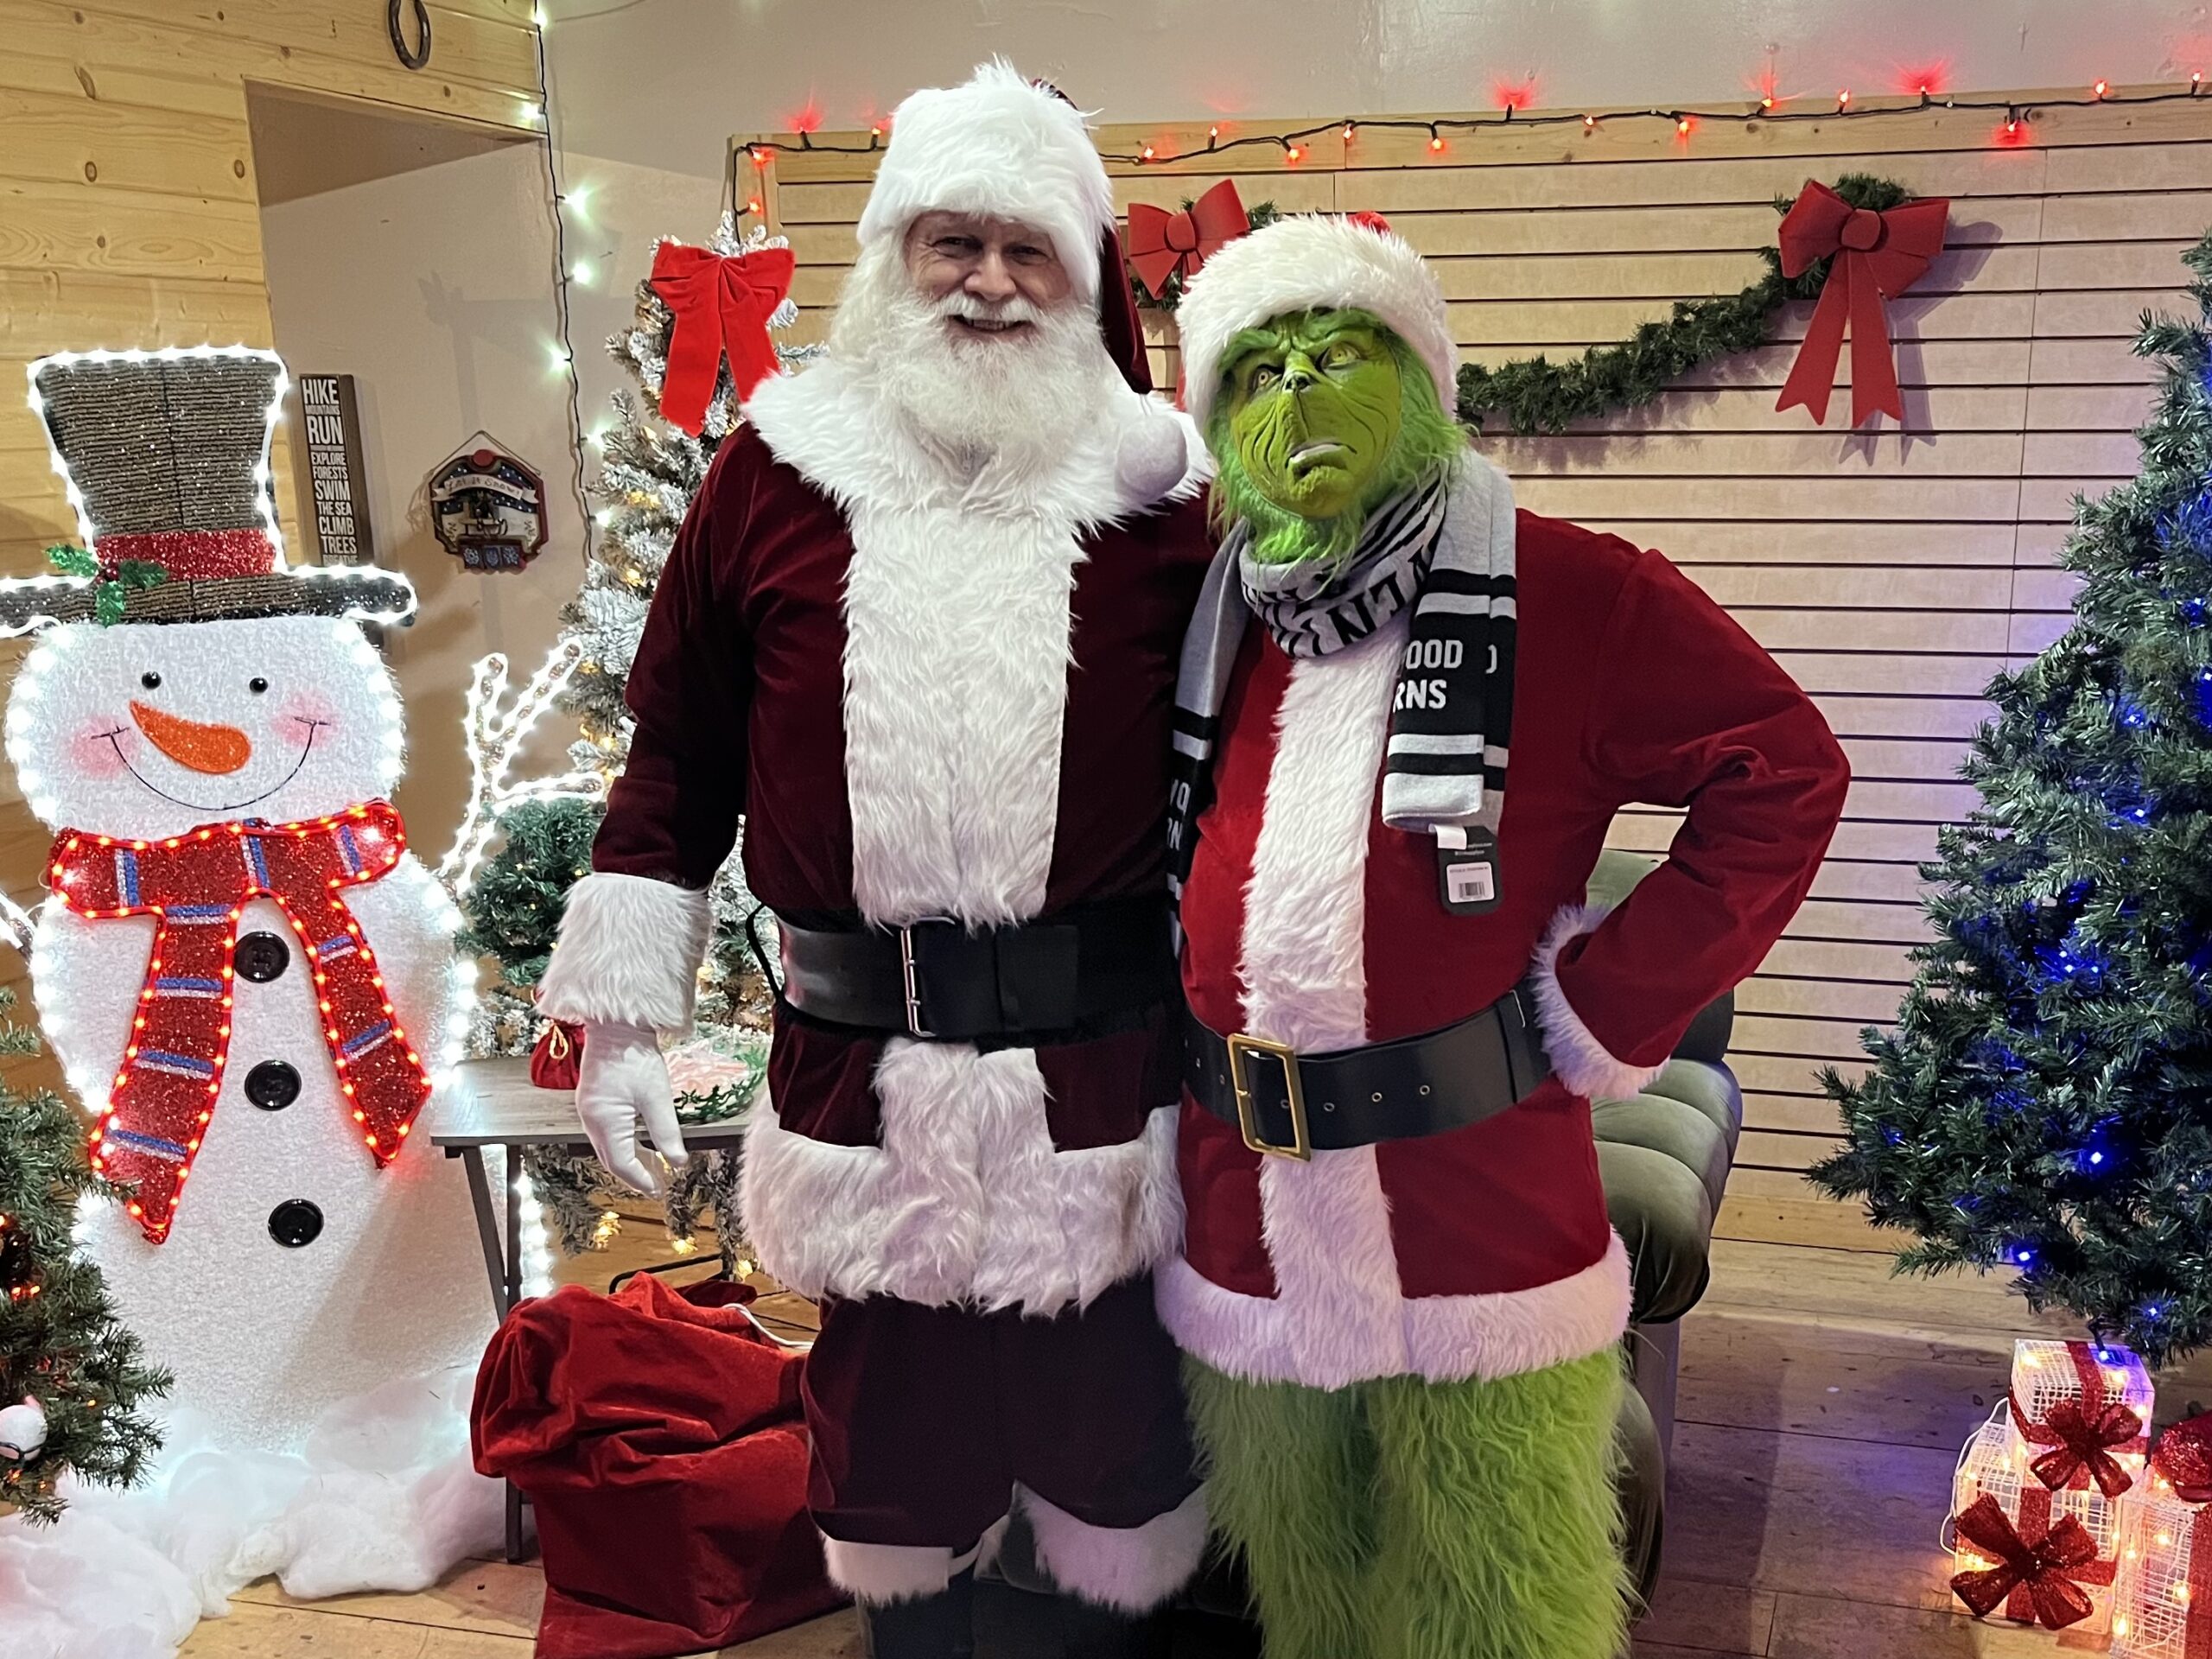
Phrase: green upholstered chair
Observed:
(1664, 1155)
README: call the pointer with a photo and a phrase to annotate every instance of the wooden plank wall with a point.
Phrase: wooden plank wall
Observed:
(128, 210)
(1891, 572)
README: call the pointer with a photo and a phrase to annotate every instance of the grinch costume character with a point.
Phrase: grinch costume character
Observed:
(1407, 714)
(919, 632)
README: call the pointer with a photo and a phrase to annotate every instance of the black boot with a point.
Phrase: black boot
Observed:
(941, 1626)
(1088, 1632)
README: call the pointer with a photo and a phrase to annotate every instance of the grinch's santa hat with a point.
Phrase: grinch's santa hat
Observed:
(1007, 147)
(1312, 262)
(165, 458)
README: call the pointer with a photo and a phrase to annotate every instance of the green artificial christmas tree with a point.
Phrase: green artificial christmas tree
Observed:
(649, 473)
(2044, 1104)
(71, 1376)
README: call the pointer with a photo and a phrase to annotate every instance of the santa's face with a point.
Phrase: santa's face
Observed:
(990, 279)
(150, 729)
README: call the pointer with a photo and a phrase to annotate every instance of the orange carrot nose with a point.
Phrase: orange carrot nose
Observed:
(203, 748)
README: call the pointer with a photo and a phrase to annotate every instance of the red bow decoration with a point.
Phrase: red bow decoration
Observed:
(196, 886)
(2081, 1433)
(1877, 256)
(2185, 1459)
(1164, 246)
(2042, 1580)
(723, 302)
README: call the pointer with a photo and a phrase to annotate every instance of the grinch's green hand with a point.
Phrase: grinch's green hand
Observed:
(1314, 409)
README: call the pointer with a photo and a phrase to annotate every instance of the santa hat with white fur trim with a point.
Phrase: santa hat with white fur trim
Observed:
(1001, 145)
(1312, 262)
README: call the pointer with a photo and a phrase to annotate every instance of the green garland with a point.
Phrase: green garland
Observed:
(1535, 395)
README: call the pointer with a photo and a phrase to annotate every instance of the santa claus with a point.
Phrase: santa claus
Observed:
(1409, 714)
(919, 632)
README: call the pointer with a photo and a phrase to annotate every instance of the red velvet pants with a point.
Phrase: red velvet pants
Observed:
(923, 1418)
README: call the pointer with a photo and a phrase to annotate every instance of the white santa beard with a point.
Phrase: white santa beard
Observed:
(1016, 401)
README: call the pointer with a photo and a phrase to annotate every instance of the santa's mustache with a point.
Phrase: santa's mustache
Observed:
(968, 308)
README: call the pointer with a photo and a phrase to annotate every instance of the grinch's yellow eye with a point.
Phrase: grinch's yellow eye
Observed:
(1341, 355)
(1264, 376)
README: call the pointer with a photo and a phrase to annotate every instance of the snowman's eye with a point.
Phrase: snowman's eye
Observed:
(149, 679)
(257, 684)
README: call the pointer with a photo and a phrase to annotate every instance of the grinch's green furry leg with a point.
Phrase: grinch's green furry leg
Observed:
(1290, 1476)
(1498, 1533)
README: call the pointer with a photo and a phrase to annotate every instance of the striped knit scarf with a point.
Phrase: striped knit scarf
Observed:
(196, 887)
(1444, 546)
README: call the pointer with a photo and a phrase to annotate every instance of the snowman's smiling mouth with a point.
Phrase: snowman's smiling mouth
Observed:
(315, 727)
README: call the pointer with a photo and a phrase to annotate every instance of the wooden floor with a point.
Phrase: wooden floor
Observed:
(1823, 1404)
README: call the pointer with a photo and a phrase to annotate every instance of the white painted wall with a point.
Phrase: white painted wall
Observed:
(646, 92)
(659, 83)
(432, 285)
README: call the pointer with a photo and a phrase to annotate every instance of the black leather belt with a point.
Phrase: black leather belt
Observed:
(937, 980)
(1292, 1105)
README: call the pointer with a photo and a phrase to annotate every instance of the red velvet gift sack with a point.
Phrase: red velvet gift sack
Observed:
(662, 1445)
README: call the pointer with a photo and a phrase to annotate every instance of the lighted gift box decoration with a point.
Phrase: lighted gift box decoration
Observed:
(2044, 1492)
(2164, 1609)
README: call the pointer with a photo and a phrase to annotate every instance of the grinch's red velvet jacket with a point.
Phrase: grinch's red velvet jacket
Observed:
(924, 697)
(1486, 1251)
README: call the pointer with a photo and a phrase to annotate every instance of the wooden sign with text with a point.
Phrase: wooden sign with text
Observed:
(334, 470)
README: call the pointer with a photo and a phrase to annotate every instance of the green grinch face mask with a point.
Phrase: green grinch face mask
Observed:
(1322, 416)
(1314, 405)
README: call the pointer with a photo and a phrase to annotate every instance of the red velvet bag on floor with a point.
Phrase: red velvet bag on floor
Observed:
(662, 1446)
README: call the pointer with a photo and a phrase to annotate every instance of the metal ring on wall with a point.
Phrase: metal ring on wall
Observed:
(421, 55)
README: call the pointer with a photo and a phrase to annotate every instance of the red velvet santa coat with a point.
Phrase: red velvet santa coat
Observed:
(1484, 1252)
(911, 735)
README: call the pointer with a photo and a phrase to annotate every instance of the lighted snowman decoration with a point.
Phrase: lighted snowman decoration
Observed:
(23, 1431)
(250, 981)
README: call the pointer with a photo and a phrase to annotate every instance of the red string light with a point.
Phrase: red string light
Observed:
(1348, 132)
(1436, 143)
(1147, 152)
(2099, 89)
(1293, 155)
(1513, 95)
(1843, 98)
(1589, 123)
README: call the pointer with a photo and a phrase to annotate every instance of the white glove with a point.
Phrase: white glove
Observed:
(624, 1079)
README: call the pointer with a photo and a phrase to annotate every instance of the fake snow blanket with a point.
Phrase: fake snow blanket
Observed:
(383, 1498)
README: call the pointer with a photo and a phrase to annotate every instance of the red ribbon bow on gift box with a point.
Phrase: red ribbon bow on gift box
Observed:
(1163, 246)
(2185, 1459)
(2044, 1574)
(2081, 1434)
(723, 302)
(1877, 256)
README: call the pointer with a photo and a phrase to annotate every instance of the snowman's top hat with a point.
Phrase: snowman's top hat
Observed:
(165, 456)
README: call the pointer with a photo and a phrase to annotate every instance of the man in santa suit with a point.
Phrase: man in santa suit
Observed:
(1407, 714)
(919, 632)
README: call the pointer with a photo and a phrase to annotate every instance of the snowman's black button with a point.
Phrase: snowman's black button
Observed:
(262, 956)
(294, 1223)
(272, 1085)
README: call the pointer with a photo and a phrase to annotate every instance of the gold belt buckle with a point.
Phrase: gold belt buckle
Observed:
(1248, 1114)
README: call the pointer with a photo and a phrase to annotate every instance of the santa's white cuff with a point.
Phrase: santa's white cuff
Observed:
(1585, 1065)
(629, 953)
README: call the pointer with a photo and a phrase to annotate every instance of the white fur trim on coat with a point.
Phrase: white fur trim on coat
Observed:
(888, 1572)
(1310, 262)
(966, 1200)
(629, 952)
(830, 426)
(999, 146)
(1442, 1338)
(1129, 1569)
(1580, 1060)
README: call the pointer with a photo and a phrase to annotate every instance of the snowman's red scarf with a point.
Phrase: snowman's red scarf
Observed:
(197, 885)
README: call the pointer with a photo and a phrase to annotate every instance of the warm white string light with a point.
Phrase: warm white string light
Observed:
(493, 728)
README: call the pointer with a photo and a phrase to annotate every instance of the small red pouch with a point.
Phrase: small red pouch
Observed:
(557, 1061)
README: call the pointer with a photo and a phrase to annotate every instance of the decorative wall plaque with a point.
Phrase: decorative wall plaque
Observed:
(488, 509)
(334, 470)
